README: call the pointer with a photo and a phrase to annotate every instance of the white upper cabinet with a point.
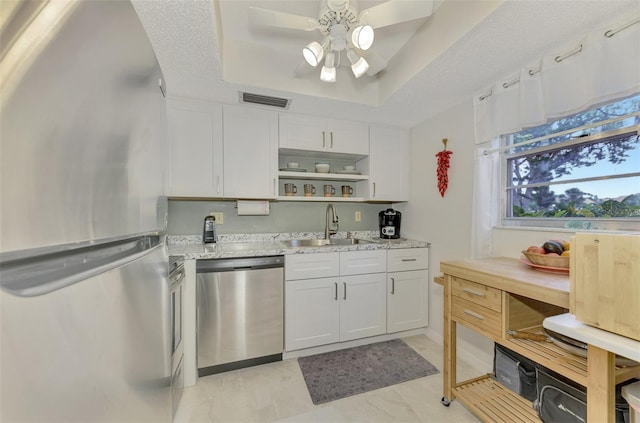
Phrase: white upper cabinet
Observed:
(195, 152)
(310, 133)
(388, 165)
(250, 152)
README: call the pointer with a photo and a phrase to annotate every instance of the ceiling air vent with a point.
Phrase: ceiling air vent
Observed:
(282, 103)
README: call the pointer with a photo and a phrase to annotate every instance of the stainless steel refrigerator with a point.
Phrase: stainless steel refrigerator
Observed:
(84, 295)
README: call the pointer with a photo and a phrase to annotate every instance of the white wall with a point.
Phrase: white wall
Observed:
(445, 222)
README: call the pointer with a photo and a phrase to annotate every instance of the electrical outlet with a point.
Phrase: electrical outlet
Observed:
(358, 217)
(219, 217)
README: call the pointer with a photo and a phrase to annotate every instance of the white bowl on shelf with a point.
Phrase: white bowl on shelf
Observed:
(293, 165)
(322, 168)
(349, 168)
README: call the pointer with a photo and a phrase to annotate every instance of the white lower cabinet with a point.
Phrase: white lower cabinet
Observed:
(363, 307)
(407, 289)
(330, 309)
(312, 313)
(406, 300)
(337, 297)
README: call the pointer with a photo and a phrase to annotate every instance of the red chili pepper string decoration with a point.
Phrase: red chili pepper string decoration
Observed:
(444, 158)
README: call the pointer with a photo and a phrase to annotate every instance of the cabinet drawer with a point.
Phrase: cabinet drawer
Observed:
(407, 259)
(477, 293)
(311, 266)
(480, 317)
(362, 262)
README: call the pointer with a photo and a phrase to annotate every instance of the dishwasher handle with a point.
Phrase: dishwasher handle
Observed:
(241, 263)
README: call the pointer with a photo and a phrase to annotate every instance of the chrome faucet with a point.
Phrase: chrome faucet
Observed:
(328, 231)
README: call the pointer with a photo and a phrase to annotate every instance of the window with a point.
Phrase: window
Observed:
(578, 171)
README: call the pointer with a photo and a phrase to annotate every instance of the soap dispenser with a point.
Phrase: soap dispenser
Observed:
(209, 234)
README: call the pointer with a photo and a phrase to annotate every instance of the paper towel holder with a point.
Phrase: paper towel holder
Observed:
(253, 208)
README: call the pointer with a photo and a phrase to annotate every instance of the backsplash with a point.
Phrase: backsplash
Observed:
(186, 217)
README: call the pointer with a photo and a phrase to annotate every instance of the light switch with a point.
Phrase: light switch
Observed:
(358, 217)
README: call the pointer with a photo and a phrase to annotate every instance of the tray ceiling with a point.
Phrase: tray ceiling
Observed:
(207, 50)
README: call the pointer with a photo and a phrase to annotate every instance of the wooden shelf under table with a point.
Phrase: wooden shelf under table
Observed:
(492, 402)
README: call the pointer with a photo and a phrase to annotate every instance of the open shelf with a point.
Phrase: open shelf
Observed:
(321, 199)
(492, 402)
(322, 176)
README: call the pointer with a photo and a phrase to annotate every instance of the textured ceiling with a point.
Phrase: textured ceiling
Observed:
(464, 46)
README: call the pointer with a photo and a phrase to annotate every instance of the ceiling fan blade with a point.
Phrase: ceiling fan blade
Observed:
(266, 17)
(396, 11)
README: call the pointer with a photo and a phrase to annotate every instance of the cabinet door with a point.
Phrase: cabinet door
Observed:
(407, 300)
(250, 153)
(389, 164)
(312, 313)
(363, 306)
(299, 132)
(347, 137)
(195, 138)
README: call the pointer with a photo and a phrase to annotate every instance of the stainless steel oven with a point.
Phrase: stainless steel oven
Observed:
(176, 278)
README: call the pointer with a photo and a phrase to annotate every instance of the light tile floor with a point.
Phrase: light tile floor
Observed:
(277, 392)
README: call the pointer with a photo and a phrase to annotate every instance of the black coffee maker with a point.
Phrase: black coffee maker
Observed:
(389, 222)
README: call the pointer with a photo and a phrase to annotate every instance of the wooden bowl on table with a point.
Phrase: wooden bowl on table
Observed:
(547, 260)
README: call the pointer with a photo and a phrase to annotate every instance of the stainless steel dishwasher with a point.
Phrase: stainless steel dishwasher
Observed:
(240, 312)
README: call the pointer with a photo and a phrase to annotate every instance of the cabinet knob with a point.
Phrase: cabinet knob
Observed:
(345, 290)
(393, 286)
(324, 141)
(331, 139)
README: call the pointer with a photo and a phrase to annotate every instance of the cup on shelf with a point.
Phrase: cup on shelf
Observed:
(329, 190)
(347, 191)
(290, 189)
(309, 190)
(293, 165)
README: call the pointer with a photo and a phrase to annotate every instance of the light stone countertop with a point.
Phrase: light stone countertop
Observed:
(190, 247)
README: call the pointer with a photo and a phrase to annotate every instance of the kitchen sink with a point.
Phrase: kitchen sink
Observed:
(323, 242)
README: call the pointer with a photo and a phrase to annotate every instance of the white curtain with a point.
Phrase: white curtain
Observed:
(573, 77)
(486, 199)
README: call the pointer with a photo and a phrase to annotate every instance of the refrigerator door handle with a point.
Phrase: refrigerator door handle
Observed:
(40, 274)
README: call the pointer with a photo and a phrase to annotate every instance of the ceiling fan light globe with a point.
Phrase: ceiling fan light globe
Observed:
(362, 37)
(313, 53)
(328, 74)
(360, 67)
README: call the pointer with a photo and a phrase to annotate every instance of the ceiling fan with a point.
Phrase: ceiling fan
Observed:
(344, 30)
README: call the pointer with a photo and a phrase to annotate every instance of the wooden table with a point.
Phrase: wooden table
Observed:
(496, 295)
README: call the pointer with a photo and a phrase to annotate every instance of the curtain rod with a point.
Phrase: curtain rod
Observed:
(609, 33)
(568, 131)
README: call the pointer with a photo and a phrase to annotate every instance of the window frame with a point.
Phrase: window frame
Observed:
(572, 223)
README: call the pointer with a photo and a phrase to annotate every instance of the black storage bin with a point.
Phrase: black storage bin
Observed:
(561, 400)
(514, 371)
